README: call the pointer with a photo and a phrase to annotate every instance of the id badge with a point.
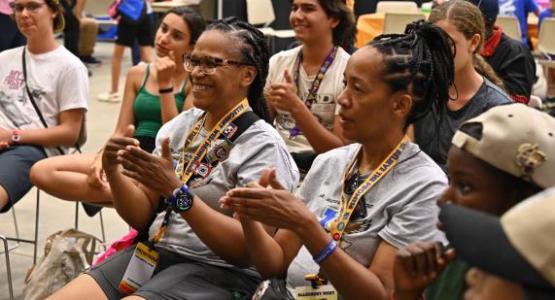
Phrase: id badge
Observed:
(140, 268)
(321, 292)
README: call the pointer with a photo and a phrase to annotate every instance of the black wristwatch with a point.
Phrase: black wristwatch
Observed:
(181, 200)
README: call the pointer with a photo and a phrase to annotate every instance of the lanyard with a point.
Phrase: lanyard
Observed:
(313, 90)
(185, 173)
(348, 205)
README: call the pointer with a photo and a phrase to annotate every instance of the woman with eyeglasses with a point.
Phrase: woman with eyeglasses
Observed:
(358, 203)
(304, 83)
(154, 94)
(221, 143)
(43, 97)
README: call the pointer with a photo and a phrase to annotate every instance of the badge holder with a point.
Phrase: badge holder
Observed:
(319, 289)
(140, 268)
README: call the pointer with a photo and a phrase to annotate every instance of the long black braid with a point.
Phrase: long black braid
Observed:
(420, 62)
(252, 46)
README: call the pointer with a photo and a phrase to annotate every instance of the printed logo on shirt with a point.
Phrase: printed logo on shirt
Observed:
(14, 80)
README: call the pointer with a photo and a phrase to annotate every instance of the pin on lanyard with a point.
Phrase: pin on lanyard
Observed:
(185, 173)
(313, 90)
(348, 204)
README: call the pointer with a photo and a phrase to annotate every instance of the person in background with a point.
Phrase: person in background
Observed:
(520, 10)
(350, 227)
(512, 256)
(143, 31)
(11, 37)
(303, 83)
(511, 61)
(80, 177)
(473, 91)
(48, 75)
(487, 165)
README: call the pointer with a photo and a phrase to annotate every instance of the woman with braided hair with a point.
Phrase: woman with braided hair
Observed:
(348, 231)
(195, 249)
(476, 87)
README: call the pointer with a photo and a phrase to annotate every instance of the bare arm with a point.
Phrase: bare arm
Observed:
(164, 71)
(63, 134)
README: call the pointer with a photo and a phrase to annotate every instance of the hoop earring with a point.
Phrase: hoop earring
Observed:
(456, 93)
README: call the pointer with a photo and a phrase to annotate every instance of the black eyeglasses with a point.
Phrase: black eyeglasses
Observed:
(209, 64)
(31, 7)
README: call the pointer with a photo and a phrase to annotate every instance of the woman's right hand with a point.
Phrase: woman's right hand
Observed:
(115, 144)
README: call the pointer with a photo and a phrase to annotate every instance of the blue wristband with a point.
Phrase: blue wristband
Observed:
(326, 252)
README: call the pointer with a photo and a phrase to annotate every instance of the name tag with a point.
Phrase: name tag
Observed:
(322, 292)
(140, 268)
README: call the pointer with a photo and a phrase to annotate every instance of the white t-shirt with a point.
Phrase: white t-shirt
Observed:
(399, 209)
(325, 108)
(58, 81)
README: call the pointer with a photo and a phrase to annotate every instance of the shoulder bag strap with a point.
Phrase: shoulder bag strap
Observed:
(32, 99)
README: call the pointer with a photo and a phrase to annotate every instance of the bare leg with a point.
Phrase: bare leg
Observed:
(146, 53)
(132, 297)
(550, 80)
(66, 177)
(116, 66)
(83, 287)
(3, 197)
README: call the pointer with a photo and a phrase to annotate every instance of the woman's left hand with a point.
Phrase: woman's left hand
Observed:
(5, 139)
(283, 96)
(275, 207)
(156, 173)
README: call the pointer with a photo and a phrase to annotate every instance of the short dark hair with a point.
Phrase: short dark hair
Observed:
(344, 32)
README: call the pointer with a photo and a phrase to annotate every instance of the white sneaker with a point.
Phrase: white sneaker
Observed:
(109, 97)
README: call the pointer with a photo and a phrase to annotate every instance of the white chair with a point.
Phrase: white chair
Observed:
(397, 22)
(396, 7)
(261, 13)
(510, 26)
(546, 43)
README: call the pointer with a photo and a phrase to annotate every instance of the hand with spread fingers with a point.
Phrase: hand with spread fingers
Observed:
(416, 266)
(283, 96)
(165, 67)
(274, 207)
(154, 172)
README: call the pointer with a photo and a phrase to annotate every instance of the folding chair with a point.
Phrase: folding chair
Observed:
(397, 22)
(397, 7)
(510, 26)
(261, 13)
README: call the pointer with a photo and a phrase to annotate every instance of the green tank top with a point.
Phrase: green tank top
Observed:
(148, 111)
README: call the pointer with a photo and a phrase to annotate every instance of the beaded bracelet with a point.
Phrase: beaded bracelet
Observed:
(326, 252)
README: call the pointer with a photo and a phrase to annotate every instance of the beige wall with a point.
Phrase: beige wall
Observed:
(99, 7)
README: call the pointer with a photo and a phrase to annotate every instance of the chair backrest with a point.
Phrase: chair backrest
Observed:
(397, 7)
(510, 26)
(546, 42)
(260, 12)
(396, 22)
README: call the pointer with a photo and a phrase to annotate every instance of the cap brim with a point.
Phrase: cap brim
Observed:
(479, 239)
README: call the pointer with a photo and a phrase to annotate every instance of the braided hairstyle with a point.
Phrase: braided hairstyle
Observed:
(251, 44)
(468, 20)
(419, 62)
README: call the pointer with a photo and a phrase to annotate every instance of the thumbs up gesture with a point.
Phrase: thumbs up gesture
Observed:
(283, 95)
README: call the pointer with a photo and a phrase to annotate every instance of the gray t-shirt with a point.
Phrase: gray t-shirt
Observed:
(259, 147)
(436, 141)
(399, 209)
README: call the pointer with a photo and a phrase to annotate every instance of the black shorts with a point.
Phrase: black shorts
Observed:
(15, 164)
(143, 32)
(176, 277)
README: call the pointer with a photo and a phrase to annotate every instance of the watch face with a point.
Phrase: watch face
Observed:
(183, 201)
